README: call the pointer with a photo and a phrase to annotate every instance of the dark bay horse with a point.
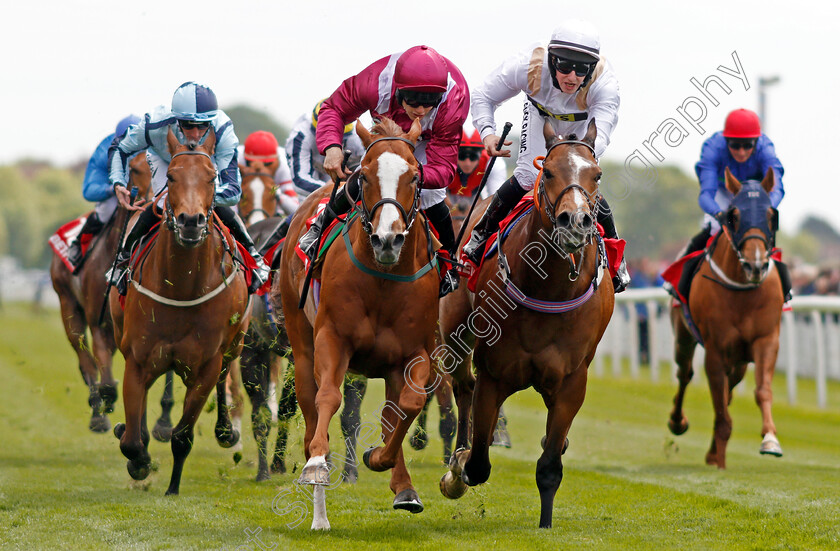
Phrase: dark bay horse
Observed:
(534, 321)
(376, 314)
(736, 303)
(81, 297)
(186, 310)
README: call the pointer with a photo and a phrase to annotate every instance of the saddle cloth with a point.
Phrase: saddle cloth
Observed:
(60, 241)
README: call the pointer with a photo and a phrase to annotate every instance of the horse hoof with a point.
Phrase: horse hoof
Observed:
(408, 500)
(278, 466)
(678, 428)
(137, 470)
(501, 438)
(262, 475)
(227, 438)
(770, 446)
(162, 431)
(452, 487)
(316, 472)
(119, 430)
(419, 440)
(366, 457)
(350, 474)
(99, 423)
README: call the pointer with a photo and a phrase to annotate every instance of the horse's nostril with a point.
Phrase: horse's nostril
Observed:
(181, 219)
(587, 221)
(375, 241)
(564, 220)
(399, 239)
(202, 220)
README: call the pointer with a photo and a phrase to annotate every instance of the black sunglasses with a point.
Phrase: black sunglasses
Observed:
(417, 99)
(470, 154)
(564, 66)
(189, 125)
(740, 144)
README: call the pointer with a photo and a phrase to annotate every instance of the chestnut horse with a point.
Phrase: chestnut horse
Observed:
(186, 311)
(376, 314)
(534, 321)
(736, 303)
(81, 296)
(259, 200)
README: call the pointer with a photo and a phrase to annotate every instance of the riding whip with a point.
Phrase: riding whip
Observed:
(305, 291)
(133, 192)
(478, 191)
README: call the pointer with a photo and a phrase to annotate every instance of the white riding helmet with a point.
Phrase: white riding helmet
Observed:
(576, 40)
(194, 102)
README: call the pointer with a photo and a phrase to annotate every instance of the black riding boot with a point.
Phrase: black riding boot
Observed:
(144, 223)
(92, 226)
(506, 197)
(441, 220)
(784, 276)
(605, 218)
(339, 205)
(698, 242)
(259, 275)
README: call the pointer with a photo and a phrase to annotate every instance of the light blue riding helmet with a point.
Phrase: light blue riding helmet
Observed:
(194, 102)
(123, 125)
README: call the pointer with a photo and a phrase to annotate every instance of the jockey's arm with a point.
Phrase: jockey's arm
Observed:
(229, 181)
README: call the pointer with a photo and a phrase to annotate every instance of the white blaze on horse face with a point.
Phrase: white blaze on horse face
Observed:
(257, 189)
(391, 167)
(578, 163)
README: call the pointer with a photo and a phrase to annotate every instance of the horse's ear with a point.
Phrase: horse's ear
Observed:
(210, 141)
(171, 141)
(364, 133)
(550, 136)
(415, 131)
(769, 181)
(732, 183)
(591, 134)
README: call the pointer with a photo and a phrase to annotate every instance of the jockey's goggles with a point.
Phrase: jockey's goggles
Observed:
(415, 99)
(189, 125)
(564, 66)
(737, 144)
(469, 154)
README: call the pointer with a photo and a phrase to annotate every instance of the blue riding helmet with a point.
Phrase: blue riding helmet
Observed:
(194, 102)
(123, 125)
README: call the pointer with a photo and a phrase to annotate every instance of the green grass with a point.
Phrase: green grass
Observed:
(628, 483)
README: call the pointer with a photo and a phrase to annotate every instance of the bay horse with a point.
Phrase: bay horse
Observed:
(376, 314)
(186, 309)
(735, 302)
(533, 322)
(80, 299)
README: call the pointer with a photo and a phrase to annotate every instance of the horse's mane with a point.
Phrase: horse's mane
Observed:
(387, 127)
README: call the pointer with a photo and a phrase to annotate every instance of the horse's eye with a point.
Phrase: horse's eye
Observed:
(598, 177)
(547, 173)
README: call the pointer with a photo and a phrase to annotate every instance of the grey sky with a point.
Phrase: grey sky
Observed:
(72, 69)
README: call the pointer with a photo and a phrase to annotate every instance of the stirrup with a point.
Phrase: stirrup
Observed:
(259, 275)
(622, 278)
(449, 282)
(474, 249)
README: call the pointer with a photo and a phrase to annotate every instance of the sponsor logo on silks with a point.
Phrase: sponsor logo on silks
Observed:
(565, 117)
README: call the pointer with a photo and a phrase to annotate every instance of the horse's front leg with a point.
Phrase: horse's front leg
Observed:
(182, 434)
(162, 431)
(254, 364)
(765, 352)
(405, 395)
(448, 422)
(354, 392)
(331, 358)
(234, 399)
(226, 435)
(286, 408)
(563, 405)
(719, 387)
(103, 351)
(134, 440)
(489, 396)
(684, 345)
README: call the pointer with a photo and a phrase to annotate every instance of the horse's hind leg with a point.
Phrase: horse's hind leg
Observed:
(103, 350)
(226, 434)
(162, 431)
(354, 392)
(182, 434)
(562, 405)
(73, 318)
(286, 408)
(765, 352)
(719, 387)
(234, 399)
(684, 345)
(448, 421)
(254, 366)
(131, 434)
(420, 439)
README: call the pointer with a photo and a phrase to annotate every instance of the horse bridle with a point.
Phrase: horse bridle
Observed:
(170, 212)
(549, 207)
(365, 214)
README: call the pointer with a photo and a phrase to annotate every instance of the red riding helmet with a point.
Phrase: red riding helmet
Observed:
(742, 123)
(471, 140)
(421, 69)
(261, 146)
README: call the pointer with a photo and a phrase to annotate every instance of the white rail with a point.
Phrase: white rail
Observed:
(809, 341)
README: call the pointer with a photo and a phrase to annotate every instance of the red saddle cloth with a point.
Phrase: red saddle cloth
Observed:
(60, 241)
(324, 232)
(613, 247)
